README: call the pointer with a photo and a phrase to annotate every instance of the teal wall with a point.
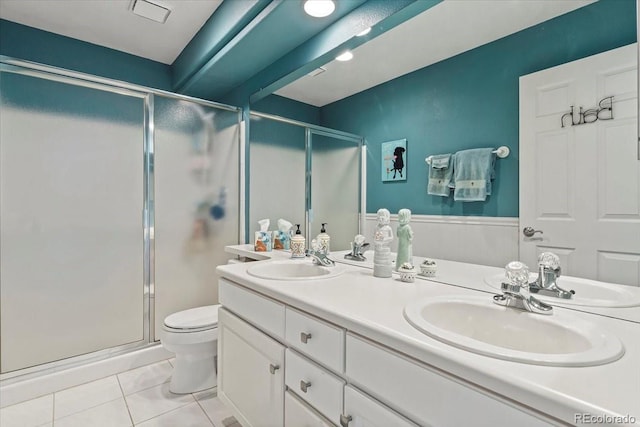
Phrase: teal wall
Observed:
(289, 108)
(27, 43)
(469, 101)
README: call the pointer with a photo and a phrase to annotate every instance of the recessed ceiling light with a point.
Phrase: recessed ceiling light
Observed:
(319, 8)
(364, 32)
(345, 56)
(150, 10)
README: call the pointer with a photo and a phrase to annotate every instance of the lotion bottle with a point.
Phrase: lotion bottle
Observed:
(324, 240)
(298, 244)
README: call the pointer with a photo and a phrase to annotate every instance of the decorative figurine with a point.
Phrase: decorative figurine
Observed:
(382, 240)
(405, 237)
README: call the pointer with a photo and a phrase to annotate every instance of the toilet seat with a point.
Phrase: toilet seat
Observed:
(193, 320)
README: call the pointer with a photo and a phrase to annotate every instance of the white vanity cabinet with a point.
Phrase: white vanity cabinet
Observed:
(279, 366)
(251, 374)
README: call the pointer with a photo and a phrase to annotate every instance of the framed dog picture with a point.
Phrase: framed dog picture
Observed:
(394, 166)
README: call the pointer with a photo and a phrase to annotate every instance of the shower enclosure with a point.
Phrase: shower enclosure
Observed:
(116, 202)
(308, 175)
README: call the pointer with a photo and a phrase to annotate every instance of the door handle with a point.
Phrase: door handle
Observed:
(304, 337)
(304, 385)
(529, 231)
(345, 420)
(273, 368)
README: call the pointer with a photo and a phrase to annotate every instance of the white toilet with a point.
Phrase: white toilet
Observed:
(193, 336)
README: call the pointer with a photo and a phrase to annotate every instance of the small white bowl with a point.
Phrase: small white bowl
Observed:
(428, 268)
(407, 273)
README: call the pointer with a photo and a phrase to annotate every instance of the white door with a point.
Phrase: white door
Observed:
(580, 184)
(250, 373)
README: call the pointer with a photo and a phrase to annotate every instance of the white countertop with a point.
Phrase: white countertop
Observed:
(373, 307)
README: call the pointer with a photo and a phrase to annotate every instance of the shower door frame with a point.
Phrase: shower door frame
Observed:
(32, 69)
(310, 130)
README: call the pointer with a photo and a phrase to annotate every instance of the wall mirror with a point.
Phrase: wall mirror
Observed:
(487, 22)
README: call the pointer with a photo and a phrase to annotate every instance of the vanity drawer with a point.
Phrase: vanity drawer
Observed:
(362, 411)
(318, 387)
(263, 312)
(318, 339)
(299, 414)
(425, 395)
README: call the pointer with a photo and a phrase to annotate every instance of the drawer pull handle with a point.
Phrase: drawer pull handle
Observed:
(273, 368)
(345, 420)
(304, 337)
(304, 385)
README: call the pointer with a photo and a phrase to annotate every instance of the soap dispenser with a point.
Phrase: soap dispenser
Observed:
(298, 244)
(324, 239)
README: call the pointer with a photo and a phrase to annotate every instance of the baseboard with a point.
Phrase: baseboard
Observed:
(16, 390)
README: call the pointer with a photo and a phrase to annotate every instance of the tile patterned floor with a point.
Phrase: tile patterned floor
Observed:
(139, 397)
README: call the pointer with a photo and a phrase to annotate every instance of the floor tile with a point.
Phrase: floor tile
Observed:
(31, 413)
(110, 414)
(86, 396)
(155, 401)
(145, 377)
(214, 408)
(191, 415)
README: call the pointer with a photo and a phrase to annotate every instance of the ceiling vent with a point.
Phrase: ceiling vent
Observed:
(317, 71)
(150, 10)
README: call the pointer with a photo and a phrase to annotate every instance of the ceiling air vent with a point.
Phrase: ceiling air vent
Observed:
(317, 71)
(150, 10)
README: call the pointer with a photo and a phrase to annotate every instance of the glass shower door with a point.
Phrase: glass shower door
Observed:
(71, 231)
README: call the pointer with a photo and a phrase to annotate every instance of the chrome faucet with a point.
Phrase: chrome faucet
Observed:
(548, 273)
(319, 255)
(516, 294)
(356, 249)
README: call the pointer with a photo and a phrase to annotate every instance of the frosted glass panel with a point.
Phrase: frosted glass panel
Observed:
(71, 256)
(335, 189)
(276, 174)
(196, 170)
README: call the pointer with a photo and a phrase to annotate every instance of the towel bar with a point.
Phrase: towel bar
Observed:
(501, 152)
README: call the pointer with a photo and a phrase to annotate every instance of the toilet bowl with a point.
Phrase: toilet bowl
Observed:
(193, 336)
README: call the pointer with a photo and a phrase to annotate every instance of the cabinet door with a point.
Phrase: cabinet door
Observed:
(299, 414)
(250, 373)
(363, 411)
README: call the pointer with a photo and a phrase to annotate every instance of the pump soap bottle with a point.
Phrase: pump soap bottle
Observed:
(298, 244)
(324, 240)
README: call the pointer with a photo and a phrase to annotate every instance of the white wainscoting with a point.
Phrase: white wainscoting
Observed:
(473, 239)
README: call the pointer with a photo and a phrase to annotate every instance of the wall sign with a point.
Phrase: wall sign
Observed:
(604, 111)
(394, 166)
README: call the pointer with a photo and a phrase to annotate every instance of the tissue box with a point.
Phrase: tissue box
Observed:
(263, 241)
(282, 240)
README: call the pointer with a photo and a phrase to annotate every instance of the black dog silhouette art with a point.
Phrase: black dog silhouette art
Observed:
(398, 162)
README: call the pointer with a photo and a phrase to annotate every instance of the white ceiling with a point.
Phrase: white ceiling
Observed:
(111, 23)
(445, 30)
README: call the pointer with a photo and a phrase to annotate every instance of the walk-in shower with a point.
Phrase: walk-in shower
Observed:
(116, 204)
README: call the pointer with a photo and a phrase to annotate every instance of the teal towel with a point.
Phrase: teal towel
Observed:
(440, 173)
(473, 172)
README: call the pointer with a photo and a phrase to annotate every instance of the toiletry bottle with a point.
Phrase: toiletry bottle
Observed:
(324, 239)
(298, 244)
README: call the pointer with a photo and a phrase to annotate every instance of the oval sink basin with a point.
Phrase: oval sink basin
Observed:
(589, 293)
(293, 270)
(476, 324)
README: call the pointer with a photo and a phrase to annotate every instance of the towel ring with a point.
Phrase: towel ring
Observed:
(501, 152)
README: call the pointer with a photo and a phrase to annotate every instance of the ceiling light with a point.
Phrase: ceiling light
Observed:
(364, 32)
(345, 56)
(150, 10)
(319, 8)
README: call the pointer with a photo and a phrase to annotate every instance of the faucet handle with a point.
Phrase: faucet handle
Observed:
(517, 275)
(549, 260)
